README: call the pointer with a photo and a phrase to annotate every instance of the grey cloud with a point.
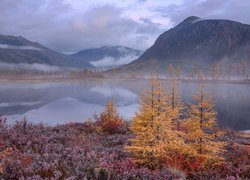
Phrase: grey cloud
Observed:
(59, 26)
(56, 25)
(142, 1)
(106, 26)
(211, 9)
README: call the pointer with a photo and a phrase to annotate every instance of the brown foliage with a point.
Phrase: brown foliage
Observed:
(109, 121)
(4, 154)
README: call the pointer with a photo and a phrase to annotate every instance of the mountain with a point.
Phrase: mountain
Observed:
(196, 41)
(18, 50)
(107, 56)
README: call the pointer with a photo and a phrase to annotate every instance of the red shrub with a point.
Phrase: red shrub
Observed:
(109, 121)
(187, 164)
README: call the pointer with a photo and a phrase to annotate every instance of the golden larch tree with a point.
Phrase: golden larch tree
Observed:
(145, 126)
(155, 140)
(201, 126)
(175, 106)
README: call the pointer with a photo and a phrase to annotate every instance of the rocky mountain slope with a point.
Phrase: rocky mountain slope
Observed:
(196, 41)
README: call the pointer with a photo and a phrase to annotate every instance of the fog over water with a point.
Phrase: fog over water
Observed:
(60, 102)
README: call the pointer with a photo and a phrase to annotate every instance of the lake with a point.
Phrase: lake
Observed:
(76, 101)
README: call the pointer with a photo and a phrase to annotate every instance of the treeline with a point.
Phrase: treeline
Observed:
(218, 71)
(222, 71)
(24, 72)
(81, 73)
(74, 73)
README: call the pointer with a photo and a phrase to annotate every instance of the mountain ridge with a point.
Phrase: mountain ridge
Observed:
(106, 56)
(196, 41)
(15, 50)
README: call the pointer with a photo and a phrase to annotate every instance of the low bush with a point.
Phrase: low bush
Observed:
(109, 121)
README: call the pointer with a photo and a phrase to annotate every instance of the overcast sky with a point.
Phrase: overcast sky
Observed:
(72, 25)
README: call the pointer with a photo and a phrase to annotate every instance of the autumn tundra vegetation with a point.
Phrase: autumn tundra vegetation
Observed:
(166, 139)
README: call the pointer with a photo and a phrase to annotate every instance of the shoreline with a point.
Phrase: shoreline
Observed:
(39, 78)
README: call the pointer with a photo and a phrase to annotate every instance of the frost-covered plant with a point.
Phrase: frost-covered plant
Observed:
(72, 151)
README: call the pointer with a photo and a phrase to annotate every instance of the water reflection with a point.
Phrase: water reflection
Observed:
(60, 102)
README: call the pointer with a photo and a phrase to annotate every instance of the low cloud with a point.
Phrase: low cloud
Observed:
(112, 62)
(11, 104)
(24, 66)
(7, 46)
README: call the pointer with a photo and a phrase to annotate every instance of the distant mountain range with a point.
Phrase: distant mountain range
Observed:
(18, 50)
(196, 41)
(107, 56)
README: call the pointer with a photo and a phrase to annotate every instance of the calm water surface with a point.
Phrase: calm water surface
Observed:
(59, 102)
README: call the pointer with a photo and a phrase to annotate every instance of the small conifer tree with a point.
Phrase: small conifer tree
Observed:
(155, 140)
(201, 124)
(175, 106)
